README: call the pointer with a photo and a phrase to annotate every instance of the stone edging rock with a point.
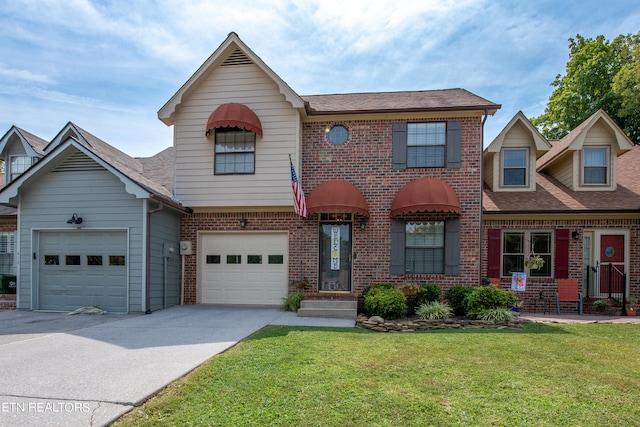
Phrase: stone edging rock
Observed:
(376, 323)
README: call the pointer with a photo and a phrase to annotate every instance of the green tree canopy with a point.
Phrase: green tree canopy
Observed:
(600, 74)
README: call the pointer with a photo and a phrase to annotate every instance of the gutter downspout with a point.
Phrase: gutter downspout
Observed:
(484, 120)
(148, 259)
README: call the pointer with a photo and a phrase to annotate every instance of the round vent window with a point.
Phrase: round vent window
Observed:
(337, 135)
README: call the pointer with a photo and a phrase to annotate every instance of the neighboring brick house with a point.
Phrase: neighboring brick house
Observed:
(392, 180)
(574, 202)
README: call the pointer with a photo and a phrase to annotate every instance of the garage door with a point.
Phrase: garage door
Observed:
(79, 269)
(243, 268)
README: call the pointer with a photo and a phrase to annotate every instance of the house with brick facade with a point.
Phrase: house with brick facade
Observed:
(574, 202)
(397, 188)
(392, 184)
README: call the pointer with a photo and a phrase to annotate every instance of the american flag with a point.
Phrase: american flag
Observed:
(299, 202)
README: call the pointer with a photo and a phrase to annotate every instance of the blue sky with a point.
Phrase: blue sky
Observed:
(109, 66)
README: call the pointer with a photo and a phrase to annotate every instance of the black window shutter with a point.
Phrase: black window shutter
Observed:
(397, 247)
(454, 144)
(399, 146)
(452, 247)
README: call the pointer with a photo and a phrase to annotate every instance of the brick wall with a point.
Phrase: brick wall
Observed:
(365, 160)
(548, 285)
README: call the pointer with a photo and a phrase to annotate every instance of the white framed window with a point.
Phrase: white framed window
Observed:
(7, 250)
(18, 165)
(595, 165)
(520, 245)
(426, 144)
(424, 247)
(235, 151)
(515, 171)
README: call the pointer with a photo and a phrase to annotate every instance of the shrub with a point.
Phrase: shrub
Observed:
(496, 314)
(456, 295)
(434, 310)
(384, 301)
(292, 301)
(426, 293)
(488, 297)
(369, 288)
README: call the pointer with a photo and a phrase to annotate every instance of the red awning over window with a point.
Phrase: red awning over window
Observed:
(234, 115)
(337, 196)
(425, 195)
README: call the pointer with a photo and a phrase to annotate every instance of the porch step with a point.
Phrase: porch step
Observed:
(328, 308)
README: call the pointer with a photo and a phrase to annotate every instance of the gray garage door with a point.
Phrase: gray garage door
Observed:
(83, 268)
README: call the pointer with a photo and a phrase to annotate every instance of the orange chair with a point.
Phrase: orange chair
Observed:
(568, 291)
(494, 281)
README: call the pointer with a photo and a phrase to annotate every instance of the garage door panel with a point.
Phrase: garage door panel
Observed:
(93, 281)
(251, 281)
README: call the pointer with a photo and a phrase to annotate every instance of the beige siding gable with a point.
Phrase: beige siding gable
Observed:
(196, 184)
(518, 134)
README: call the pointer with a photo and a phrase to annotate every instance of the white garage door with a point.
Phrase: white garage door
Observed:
(83, 268)
(243, 268)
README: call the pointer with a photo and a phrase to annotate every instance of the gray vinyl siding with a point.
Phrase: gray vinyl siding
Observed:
(100, 199)
(165, 228)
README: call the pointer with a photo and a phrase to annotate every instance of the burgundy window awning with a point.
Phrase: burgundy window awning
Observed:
(425, 195)
(337, 196)
(234, 115)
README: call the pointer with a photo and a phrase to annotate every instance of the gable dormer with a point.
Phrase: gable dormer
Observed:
(510, 159)
(20, 150)
(585, 159)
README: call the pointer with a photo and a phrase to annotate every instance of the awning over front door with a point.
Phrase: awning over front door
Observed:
(234, 115)
(425, 195)
(337, 196)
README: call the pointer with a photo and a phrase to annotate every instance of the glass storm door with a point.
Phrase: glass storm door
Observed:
(335, 257)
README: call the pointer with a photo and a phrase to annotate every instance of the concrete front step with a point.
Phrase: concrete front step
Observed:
(328, 308)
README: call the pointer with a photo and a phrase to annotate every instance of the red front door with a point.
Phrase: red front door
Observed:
(611, 263)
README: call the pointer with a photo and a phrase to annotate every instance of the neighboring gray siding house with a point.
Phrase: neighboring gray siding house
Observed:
(93, 228)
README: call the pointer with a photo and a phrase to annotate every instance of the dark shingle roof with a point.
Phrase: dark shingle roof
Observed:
(551, 196)
(426, 100)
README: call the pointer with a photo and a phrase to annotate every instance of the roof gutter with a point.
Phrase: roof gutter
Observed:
(148, 257)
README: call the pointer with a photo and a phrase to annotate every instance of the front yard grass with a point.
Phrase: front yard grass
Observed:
(545, 375)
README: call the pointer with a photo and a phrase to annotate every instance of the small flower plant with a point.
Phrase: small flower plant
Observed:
(534, 262)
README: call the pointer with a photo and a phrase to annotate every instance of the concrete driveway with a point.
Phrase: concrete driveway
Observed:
(88, 370)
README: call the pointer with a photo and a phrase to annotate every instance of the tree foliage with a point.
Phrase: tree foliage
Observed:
(600, 74)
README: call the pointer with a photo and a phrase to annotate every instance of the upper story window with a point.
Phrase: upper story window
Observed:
(520, 245)
(514, 167)
(426, 145)
(19, 164)
(595, 161)
(235, 151)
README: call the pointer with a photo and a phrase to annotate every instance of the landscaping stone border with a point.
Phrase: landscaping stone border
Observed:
(378, 324)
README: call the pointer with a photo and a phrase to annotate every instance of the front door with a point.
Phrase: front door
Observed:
(335, 256)
(611, 263)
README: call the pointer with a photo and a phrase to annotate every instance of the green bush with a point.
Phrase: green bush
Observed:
(292, 301)
(488, 297)
(496, 314)
(456, 295)
(368, 288)
(384, 301)
(427, 292)
(434, 310)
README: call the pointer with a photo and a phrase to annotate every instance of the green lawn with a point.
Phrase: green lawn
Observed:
(546, 375)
